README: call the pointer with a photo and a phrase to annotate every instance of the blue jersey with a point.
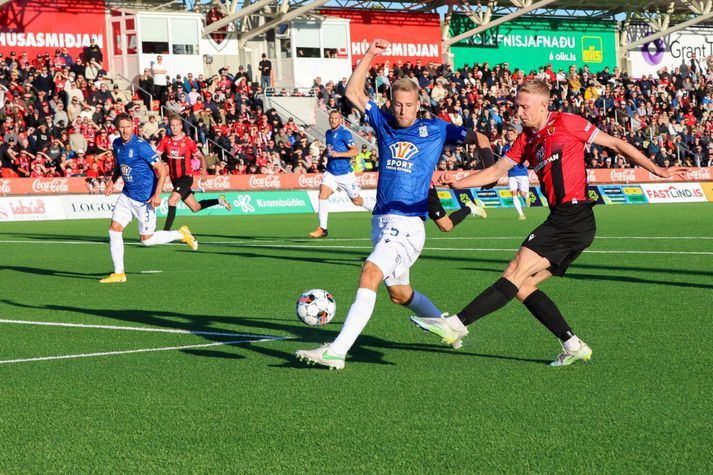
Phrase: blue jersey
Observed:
(407, 158)
(339, 140)
(517, 170)
(136, 159)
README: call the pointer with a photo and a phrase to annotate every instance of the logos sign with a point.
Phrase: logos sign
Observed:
(547, 41)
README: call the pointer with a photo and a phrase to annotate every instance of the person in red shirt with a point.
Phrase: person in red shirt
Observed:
(178, 150)
(553, 144)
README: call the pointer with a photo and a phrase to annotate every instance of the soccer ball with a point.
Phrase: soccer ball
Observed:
(316, 307)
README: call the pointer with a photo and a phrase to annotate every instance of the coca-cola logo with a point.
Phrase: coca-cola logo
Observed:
(624, 175)
(264, 181)
(591, 176)
(55, 185)
(312, 180)
(219, 182)
(368, 180)
(5, 187)
(701, 174)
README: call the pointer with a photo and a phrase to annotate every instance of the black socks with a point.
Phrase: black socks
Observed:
(491, 299)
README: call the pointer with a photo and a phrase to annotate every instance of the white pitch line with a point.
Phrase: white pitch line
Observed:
(142, 350)
(141, 329)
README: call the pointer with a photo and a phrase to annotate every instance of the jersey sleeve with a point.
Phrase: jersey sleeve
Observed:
(147, 153)
(514, 154)
(348, 139)
(191, 146)
(162, 145)
(375, 117)
(580, 127)
(455, 133)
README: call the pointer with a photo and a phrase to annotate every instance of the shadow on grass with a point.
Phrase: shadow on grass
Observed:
(53, 273)
(367, 350)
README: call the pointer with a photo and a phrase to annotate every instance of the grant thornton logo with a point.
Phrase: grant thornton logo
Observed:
(653, 51)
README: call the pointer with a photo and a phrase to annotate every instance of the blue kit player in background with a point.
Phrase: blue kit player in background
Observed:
(340, 151)
(518, 180)
(409, 149)
(135, 164)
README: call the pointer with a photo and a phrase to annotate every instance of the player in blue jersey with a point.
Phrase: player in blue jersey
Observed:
(136, 162)
(409, 149)
(340, 150)
(518, 180)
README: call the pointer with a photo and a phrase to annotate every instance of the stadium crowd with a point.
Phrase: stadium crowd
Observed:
(57, 113)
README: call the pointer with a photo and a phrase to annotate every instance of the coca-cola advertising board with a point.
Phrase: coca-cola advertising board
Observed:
(43, 26)
(412, 35)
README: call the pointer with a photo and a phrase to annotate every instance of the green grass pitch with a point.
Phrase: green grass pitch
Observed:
(185, 402)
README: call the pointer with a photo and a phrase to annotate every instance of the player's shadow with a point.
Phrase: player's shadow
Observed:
(64, 237)
(367, 349)
(309, 260)
(51, 272)
(573, 274)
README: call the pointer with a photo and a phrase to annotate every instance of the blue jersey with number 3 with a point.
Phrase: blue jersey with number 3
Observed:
(136, 159)
(339, 140)
(407, 159)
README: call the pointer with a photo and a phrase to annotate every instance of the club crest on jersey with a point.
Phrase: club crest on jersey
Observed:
(131, 153)
(423, 131)
(401, 153)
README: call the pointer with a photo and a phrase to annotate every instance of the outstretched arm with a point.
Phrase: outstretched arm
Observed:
(355, 86)
(483, 177)
(633, 154)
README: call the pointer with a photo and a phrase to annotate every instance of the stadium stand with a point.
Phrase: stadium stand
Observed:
(57, 122)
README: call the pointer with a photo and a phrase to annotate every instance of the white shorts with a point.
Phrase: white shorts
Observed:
(346, 182)
(521, 183)
(398, 241)
(127, 209)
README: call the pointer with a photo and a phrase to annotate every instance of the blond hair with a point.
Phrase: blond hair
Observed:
(535, 86)
(404, 84)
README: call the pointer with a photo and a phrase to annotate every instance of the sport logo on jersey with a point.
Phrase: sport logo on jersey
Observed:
(126, 173)
(401, 153)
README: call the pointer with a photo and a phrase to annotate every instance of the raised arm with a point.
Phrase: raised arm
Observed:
(355, 86)
(484, 177)
(633, 154)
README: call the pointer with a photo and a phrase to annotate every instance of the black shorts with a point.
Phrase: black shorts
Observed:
(182, 186)
(567, 231)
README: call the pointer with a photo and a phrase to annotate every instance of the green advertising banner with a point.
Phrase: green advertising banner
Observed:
(248, 203)
(529, 43)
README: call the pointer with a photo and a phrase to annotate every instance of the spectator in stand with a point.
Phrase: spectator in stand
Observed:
(159, 72)
(265, 66)
(93, 52)
(146, 88)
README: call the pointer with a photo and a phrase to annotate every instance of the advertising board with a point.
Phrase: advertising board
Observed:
(412, 35)
(673, 192)
(670, 50)
(43, 27)
(559, 42)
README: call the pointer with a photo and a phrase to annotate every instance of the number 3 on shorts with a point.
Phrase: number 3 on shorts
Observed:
(392, 231)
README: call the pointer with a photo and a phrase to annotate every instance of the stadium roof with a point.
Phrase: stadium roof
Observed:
(248, 19)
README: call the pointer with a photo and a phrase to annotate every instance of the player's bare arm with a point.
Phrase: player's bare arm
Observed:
(355, 86)
(483, 177)
(633, 154)
(352, 152)
(109, 189)
(162, 170)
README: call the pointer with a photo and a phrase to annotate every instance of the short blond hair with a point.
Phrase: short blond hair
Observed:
(537, 87)
(404, 84)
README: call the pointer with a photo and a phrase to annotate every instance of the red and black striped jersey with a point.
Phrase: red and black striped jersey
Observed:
(556, 154)
(178, 154)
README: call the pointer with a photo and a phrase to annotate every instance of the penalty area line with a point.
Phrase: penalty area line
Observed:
(142, 350)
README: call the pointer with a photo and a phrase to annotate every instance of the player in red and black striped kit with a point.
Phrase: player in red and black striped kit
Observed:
(553, 143)
(178, 150)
